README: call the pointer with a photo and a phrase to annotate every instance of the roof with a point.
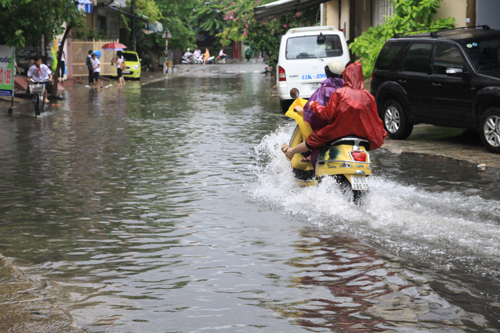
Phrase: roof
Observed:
(454, 34)
(313, 30)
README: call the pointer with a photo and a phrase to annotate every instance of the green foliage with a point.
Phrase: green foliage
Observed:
(28, 20)
(209, 17)
(241, 25)
(150, 9)
(409, 15)
(177, 18)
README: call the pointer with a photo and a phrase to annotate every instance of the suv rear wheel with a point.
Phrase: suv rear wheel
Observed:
(395, 121)
(490, 130)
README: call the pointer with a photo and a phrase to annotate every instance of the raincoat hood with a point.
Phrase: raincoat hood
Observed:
(352, 110)
(353, 76)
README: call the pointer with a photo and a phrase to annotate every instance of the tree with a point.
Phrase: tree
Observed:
(30, 21)
(177, 18)
(146, 8)
(208, 17)
(241, 25)
(409, 15)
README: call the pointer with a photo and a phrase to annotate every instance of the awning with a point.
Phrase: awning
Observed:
(284, 7)
(84, 6)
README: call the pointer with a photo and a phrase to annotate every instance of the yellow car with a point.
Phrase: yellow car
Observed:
(133, 63)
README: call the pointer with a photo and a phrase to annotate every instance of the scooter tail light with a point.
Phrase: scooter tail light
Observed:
(359, 156)
(281, 74)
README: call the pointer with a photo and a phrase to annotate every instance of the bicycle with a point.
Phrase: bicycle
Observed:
(37, 89)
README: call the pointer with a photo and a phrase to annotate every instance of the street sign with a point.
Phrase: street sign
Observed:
(7, 58)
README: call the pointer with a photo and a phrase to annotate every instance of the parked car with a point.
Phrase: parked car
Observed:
(446, 78)
(133, 65)
(303, 55)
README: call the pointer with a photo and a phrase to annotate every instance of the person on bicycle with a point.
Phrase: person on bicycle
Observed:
(40, 73)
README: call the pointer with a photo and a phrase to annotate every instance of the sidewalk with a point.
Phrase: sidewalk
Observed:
(24, 307)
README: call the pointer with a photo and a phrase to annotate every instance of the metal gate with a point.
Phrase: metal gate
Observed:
(79, 51)
(379, 9)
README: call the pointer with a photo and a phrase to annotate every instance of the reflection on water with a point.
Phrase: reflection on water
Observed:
(143, 209)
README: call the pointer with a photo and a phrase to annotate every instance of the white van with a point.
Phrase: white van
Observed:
(304, 53)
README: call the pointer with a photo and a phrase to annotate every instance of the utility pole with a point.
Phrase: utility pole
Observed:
(134, 39)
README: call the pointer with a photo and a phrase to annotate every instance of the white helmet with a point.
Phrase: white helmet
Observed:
(335, 67)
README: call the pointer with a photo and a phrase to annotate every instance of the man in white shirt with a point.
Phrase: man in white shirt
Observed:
(197, 53)
(40, 73)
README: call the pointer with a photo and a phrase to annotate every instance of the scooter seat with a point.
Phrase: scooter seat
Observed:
(350, 140)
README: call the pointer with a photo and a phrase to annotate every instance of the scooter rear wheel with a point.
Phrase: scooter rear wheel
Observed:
(345, 185)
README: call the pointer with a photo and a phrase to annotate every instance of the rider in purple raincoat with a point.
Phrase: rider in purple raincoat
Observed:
(322, 95)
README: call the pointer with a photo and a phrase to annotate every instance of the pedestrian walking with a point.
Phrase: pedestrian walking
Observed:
(96, 65)
(119, 62)
(63, 66)
(90, 68)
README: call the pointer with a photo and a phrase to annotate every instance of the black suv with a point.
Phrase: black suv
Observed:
(447, 78)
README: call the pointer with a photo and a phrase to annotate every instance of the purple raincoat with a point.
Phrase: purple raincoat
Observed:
(322, 96)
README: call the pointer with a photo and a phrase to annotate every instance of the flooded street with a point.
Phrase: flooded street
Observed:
(169, 207)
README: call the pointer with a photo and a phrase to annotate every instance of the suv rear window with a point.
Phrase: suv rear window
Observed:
(305, 47)
(388, 60)
(417, 58)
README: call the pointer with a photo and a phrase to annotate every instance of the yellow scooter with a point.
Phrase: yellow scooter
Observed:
(345, 159)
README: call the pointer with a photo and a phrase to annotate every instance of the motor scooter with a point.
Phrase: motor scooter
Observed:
(345, 159)
(199, 60)
(210, 60)
(186, 60)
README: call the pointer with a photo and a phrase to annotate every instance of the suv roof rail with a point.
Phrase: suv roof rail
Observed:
(403, 34)
(434, 34)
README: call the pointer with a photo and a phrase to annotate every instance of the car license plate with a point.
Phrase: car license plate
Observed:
(126, 72)
(359, 183)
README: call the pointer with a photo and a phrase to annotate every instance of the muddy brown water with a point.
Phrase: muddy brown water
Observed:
(168, 207)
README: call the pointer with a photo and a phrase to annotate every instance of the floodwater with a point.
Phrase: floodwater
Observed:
(168, 207)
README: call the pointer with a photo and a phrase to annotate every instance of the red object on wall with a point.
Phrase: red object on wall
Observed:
(236, 50)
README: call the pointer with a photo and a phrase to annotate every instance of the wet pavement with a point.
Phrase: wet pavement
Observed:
(25, 307)
(122, 214)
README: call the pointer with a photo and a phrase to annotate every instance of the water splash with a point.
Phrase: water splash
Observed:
(445, 230)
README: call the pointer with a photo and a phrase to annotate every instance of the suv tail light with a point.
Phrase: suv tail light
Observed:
(358, 156)
(281, 73)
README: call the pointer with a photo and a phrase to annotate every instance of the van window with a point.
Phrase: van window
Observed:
(305, 47)
(388, 59)
(417, 58)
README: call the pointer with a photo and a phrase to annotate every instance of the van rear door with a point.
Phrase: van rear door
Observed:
(305, 59)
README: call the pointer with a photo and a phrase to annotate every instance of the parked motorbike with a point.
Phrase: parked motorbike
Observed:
(345, 159)
(187, 60)
(210, 60)
(199, 60)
